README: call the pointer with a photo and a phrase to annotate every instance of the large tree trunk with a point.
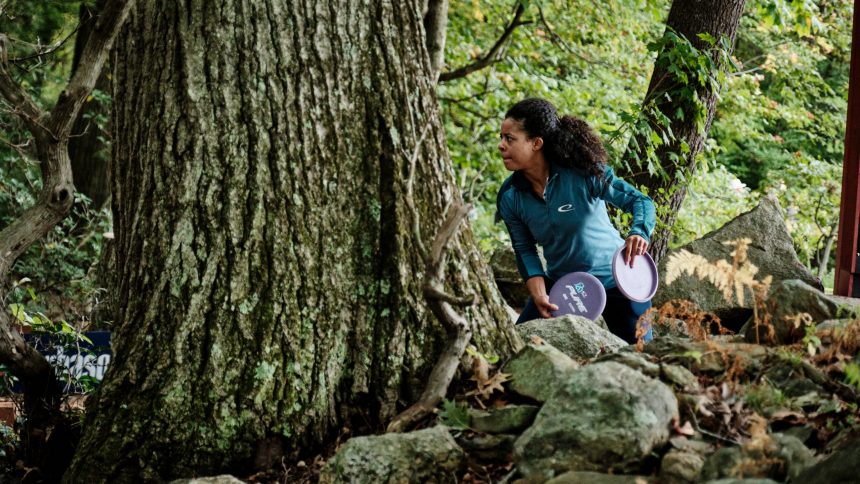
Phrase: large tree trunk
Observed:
(264, 250)
(719, 18)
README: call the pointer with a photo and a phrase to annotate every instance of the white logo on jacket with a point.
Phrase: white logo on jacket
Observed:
(567, 207)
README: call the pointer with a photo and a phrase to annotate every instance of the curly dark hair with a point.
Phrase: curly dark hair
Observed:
(568, 141)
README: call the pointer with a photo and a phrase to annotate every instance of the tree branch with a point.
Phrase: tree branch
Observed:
(45, 448)
(18, 99)
(92, 60)
(410, 200)
(458, 329)
(51, 133)
(493, 55)
(456, 214)
(564, 45)
(459, 333)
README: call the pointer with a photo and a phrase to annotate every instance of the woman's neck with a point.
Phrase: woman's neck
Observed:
(538, 177)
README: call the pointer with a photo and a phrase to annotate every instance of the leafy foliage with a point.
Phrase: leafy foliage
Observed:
(779, 125)
(455, 415)
(58, 265)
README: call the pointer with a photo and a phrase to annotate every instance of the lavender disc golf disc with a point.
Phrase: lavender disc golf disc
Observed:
(637, 283)
(580, 294)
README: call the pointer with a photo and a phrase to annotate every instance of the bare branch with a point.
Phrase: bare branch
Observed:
(456, 214)
(92, 60)
(557, 39)
(493, 55)
(410, 199)
(457, 327)
(40, 53)
(20, 102)
(440, 378)
(433, 292)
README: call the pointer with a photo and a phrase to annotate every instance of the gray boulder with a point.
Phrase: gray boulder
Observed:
(641, 362)
(788, 299)
(834, 324)
(507, 419)
(222, 479)
(496, 447)
(606, 417)
(841, 467)
(422, 456)
(596, 478)
(538, 370)
(681, 467)
(771, 251)
(784, 459)
(575, 336)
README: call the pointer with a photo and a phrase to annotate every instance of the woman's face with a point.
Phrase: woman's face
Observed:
(517, 150)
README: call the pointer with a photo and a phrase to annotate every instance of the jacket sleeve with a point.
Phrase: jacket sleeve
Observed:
(624, 196)
(525, 246)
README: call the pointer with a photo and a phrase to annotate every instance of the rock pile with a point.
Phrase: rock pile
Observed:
(580, 406)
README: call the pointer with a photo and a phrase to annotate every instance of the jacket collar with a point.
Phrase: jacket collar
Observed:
(521, 183)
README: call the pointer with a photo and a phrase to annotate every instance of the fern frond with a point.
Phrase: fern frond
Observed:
(683, 262)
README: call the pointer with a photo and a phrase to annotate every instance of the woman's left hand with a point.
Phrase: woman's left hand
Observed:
(636, 245)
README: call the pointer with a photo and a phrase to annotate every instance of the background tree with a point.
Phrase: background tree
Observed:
(88, 149)
(47, 432)
(680, 104)
(265, 254)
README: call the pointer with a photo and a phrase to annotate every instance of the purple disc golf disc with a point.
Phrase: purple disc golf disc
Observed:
(580, 294)
(637, 283)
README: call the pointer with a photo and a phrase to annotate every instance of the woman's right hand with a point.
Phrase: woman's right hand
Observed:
(537, 289)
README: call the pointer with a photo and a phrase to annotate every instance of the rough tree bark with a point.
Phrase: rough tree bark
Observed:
(87, 150)
(46, 434)
(435, 31)
(719, 18)
(264, 251)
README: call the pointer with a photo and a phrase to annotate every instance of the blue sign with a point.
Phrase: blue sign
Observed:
(75, 363)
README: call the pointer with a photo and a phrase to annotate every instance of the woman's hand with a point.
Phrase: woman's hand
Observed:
(537, 288)
(544, 306)
(636, 245)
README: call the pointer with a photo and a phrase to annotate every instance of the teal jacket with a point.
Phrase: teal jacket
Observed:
(571, 223)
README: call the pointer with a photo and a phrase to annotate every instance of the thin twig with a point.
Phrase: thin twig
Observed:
(564, 45)
(493, 55)
(710, 434)
(49, 51)
(410, 200)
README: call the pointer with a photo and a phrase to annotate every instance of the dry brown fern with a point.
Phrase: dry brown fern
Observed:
(699, 324)
(732, 280)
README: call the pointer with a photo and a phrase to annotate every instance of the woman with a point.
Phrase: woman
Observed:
(555, 198)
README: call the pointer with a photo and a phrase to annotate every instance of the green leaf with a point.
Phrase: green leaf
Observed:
(18, 313)
(707, 38)
(455, 415)
(852, 374)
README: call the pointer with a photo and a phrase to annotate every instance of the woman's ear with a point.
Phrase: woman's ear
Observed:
(538, 143)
